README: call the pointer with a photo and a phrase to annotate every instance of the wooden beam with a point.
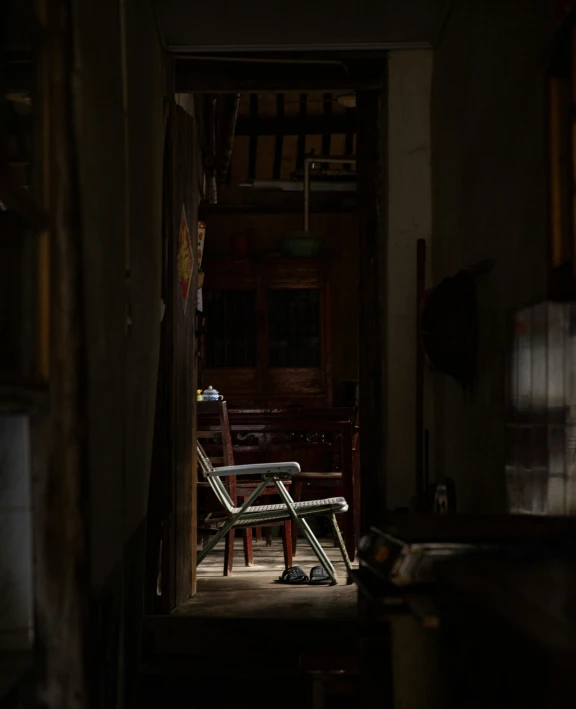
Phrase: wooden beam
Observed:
(234, 209)
(60, 445)
(205, 76)
(311, 125)
(344, 56)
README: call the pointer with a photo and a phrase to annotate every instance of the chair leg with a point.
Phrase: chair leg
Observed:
(247, 539)
(229, 553)
(308, 533)
(258, 534)
(248, 551)
(287, 543)
(228, 526)
(342, 545)
(297, 497)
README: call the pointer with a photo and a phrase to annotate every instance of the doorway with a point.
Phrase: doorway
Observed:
(251, 202)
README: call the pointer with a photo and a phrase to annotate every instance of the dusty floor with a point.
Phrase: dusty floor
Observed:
(253, 592)
(244, 639)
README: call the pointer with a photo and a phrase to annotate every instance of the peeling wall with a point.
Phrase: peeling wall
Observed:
(490, 200)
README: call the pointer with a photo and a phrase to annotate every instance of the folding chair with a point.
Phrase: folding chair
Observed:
(251, 516)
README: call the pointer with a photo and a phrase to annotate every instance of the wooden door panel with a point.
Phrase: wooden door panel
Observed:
(231, 381)
(183, 250)
(294, 273)
(298, 382)
(279, 375)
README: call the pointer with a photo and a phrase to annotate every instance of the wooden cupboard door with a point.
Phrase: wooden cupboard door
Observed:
(268, 331)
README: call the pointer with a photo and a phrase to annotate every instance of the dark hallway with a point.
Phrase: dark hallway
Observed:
(287, 354)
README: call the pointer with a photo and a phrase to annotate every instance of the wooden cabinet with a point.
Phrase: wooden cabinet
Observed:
(267, 332)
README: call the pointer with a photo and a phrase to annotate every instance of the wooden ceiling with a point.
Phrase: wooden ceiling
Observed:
(275, 131)
(197, 73)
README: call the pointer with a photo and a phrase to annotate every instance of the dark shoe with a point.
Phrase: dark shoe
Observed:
(294, 576)
(319, 577)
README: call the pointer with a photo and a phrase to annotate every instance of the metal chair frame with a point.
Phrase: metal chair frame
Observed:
(249, 516)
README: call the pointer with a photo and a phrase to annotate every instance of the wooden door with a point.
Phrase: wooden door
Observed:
(262, 350)
(185, 230)
(172, 521)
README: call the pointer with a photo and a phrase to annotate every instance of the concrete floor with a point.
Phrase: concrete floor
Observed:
(253, 592)
(245, 642)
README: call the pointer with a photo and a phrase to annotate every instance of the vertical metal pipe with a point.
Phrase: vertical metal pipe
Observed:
(307, 163)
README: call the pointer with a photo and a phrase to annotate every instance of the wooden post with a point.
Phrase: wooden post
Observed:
(371, 110)
(420, 287)
(61, 514)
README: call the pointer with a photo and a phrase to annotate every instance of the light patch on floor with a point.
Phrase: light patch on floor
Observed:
(253, 592)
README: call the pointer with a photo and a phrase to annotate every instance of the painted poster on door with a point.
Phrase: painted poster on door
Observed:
(185, 258)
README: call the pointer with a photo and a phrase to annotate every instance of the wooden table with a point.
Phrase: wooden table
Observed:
(320, 440)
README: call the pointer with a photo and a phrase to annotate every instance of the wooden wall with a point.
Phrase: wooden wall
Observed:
(104, 96)
(340, 232)
(490, 194)
(183, 314)
(268, 156)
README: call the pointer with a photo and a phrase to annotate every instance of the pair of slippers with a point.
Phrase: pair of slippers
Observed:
(295, 576)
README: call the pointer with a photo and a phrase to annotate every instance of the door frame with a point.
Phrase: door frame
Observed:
(372, 136)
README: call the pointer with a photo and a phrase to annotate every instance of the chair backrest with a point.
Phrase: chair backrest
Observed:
(218, 487)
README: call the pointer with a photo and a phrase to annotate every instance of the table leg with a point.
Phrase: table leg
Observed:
(297, 496)
(229, 553)
(287, 543)
(248, 550)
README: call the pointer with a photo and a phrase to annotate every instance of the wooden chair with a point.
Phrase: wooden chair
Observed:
(219, 441)
(321, 440)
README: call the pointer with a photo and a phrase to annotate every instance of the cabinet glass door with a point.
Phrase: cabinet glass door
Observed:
(231, 328)
(294, 327)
